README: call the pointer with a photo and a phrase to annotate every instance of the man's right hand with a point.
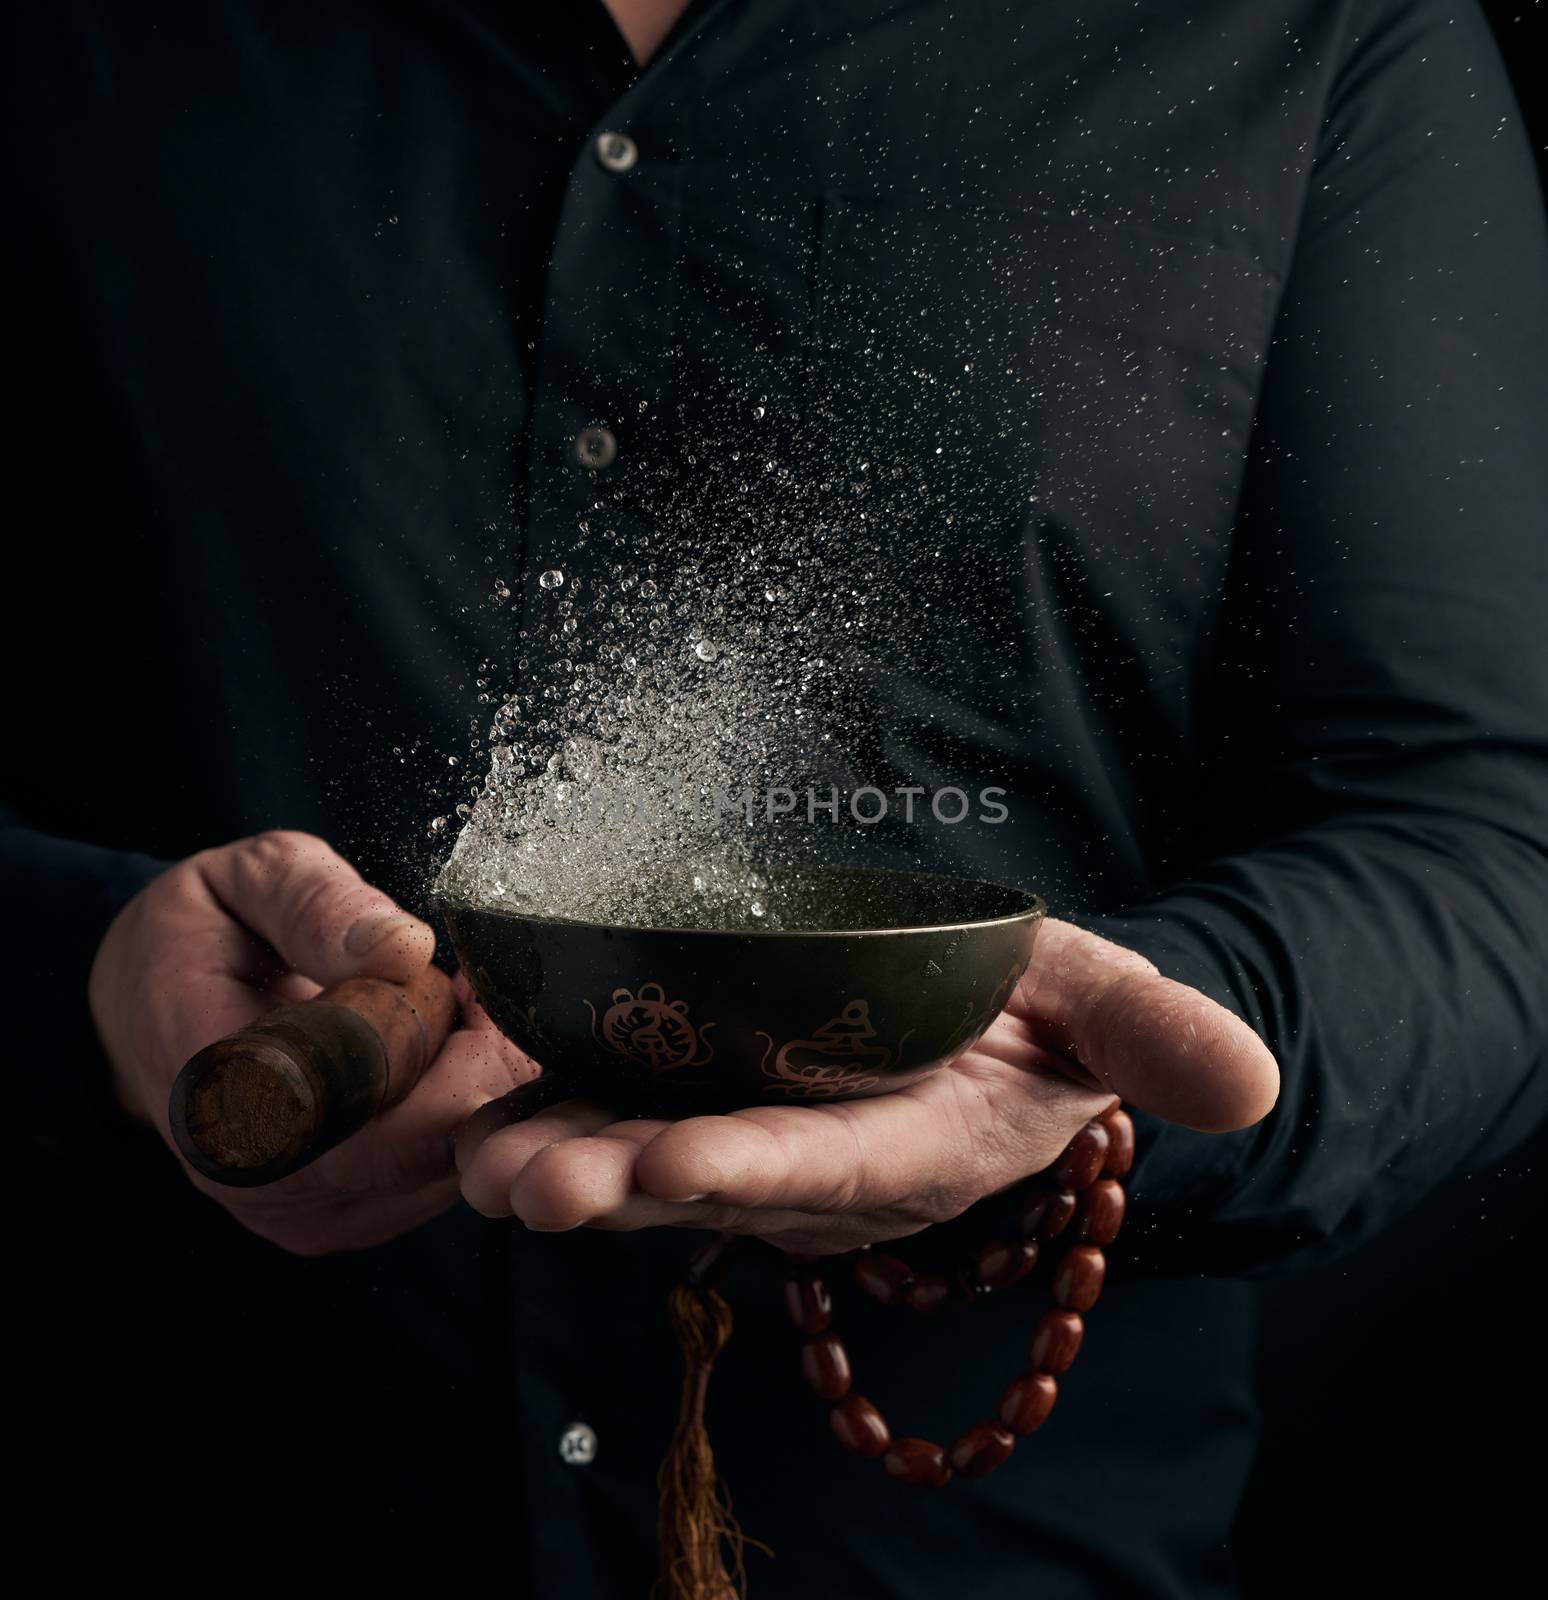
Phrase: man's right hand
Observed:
(227, 935)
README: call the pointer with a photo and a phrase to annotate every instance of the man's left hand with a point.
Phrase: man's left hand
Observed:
(1091, 1023)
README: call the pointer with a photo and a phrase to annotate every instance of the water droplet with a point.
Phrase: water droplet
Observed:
(648, 589)
(705, 651)
(756, 908)
(551, 579)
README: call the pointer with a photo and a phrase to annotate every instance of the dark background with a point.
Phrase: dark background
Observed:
(1401, 1385)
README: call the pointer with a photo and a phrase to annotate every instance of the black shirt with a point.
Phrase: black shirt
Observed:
(1219, 332)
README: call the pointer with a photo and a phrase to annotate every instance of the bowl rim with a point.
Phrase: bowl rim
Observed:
(1035, 909)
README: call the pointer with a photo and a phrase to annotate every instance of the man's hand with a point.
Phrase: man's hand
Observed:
(229, 934)
(1090, 1023)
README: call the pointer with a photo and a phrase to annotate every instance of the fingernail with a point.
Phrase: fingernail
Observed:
(369, 932)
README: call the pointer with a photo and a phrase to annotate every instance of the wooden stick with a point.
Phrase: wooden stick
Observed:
(268, 1100)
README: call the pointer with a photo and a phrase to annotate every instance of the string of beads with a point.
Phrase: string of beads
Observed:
(1084, 1200)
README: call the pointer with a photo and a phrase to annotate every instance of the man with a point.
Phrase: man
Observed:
(1218, 338)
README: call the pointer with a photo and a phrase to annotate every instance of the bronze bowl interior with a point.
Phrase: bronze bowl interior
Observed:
(886, 976)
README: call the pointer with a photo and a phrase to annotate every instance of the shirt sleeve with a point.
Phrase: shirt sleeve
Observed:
(1372, 896)
(59, 899)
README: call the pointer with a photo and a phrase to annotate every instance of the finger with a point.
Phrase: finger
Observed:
(807, 1232)
(490, 1169)
(1158, 1044)
(587, 1182)
(289, 988)
(510, 1106)
(501, 1110)
(575, 1181)
(413, 1143)
(324, 919)
(476, 1066)
(862, 1154)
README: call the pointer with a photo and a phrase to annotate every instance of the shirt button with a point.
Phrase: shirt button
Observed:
(596, 447)
(616, 152)
(578, 1445)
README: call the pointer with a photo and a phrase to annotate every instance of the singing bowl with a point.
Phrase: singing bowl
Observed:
(889, 976)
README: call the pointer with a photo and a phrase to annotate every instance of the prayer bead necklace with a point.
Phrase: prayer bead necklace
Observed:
(1084, 1196)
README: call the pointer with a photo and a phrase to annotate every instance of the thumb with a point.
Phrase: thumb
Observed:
(302, 897)
(1158, 1044)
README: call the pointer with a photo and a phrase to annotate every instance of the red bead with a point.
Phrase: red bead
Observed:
(883, 1277)
(808, 1302)
(930, 1292)
(1120, 1143)
(860, 1427)
(1081, 1164)
(1003, 1262)
(1025, 1405)
(1049, 1214)
(967, 1289)
(981, 1449)
(825, 1366)
(917, 1461)
(1101, 1212)
(1077, 1284)
(1056, 1340)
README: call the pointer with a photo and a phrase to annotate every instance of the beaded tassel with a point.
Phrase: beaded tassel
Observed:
(700, 1543)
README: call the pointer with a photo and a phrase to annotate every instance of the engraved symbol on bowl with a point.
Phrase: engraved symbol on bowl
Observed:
(840, 1057)
(650, 1029)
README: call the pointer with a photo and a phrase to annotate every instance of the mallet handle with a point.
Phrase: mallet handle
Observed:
(266, 1101)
